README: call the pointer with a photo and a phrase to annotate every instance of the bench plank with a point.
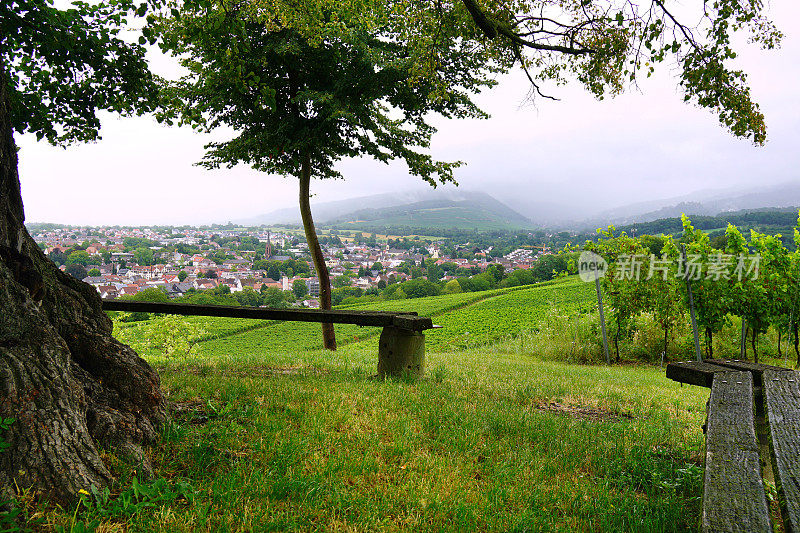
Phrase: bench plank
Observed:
(694, 372)
(746, 366)
(409, 321)
(733, 494)
(783, 410)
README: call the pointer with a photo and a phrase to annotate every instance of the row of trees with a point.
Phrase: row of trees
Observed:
(756, 279)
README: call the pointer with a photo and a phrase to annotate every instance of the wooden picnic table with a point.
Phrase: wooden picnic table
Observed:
(747, 401)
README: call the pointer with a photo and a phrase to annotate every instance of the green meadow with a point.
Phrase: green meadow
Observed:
(268, 432)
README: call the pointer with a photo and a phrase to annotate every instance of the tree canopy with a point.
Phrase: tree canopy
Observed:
(606, 45)
(61, 66)
(327, 87)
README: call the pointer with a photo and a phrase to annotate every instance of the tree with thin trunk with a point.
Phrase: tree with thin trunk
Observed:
(711, 293)
(623, 284)
(69, 386)
(302, 94)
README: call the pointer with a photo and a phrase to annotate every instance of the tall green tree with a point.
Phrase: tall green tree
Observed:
(299, 288)
(663, 296)
(305, 86)
(66, 381)
(143, 256)
(79, 257)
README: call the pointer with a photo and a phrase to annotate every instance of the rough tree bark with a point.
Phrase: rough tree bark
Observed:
(70, 386)
(328, 333)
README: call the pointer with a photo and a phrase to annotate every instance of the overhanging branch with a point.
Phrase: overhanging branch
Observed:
(493, 29)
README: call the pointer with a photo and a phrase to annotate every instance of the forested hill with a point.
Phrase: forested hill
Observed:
(768, 220)
(471, 210)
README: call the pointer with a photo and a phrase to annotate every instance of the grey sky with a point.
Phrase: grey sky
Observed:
(578, 151)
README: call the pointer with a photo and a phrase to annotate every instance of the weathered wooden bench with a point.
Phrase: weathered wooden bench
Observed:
(401, 347)
(752, 433)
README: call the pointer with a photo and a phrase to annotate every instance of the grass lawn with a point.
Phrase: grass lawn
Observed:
(309, 441)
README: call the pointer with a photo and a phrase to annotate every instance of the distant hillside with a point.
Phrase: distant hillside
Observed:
(326, 211)
(470, 211)
(706, 203)
(434, 208)
(766, 220)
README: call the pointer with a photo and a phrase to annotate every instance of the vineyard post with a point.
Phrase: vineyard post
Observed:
(602, 316)
(691, 305)
(743, 348)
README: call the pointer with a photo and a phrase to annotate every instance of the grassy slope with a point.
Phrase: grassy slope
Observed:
(496, 314)
(488, 316)
(280, 436)
(328, 448)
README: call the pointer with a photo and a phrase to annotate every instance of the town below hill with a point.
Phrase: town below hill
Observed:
(272, 267)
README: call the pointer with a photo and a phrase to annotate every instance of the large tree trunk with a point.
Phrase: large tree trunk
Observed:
(328, 334)
(69, 385)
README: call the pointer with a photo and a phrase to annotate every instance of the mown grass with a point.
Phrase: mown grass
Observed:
(309, 441)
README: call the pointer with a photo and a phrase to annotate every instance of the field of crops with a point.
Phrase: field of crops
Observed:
(291, 334)
(213, 327)
(507, 314)
(423, 306)
(469, 319)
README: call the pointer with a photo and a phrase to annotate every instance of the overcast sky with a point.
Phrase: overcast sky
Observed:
(577, 151)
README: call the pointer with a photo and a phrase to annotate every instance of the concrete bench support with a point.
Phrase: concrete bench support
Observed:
(401, 352)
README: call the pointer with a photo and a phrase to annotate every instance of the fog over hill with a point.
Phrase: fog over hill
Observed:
(519, 208)
(701, 203)
(380, 206)
(580, 216)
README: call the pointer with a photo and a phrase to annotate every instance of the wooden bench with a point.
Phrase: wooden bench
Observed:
(401, 347)
(752, 434)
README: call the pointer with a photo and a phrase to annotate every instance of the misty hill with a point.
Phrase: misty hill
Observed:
(470, 211)
(704, 203)
(435, 208)
(574, 213)
(325, 211)
(765, 220)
